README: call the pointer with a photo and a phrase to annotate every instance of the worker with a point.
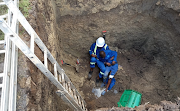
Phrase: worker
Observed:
(108, 57)
(95, 48)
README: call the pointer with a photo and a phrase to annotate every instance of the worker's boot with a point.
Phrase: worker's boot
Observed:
(90, 74)
(97, 81)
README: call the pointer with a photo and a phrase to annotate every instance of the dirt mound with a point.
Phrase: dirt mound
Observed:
(163, 106)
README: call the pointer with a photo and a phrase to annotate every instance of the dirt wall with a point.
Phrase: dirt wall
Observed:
(35, 91)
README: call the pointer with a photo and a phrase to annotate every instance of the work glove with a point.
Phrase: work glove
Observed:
(103, 93)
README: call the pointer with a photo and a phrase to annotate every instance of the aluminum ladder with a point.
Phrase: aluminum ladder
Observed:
(66, 90)
(8, 78)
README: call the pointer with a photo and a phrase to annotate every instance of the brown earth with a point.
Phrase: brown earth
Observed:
(146, 34)
(163, 106)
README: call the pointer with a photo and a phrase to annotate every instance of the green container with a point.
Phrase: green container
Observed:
(130, 98)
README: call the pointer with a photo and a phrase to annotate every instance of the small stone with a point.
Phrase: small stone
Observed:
(158, 3)
(28, 82)
(22, 82)
(120, 67)
(94, 10)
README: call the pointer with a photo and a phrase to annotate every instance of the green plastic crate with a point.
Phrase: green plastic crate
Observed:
(130, 98)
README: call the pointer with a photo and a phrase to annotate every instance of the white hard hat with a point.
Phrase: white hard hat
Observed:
(100, 42)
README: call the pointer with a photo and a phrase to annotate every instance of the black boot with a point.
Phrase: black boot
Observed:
(90, 74)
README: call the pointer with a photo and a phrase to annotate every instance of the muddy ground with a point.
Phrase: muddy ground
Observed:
(146, 34)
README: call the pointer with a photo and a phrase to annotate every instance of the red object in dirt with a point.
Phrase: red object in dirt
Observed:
(104, 31)
(77, 61)
(62, 62)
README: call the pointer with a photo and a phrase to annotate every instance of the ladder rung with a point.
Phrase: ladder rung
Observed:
(2, 41)
(66, 86)
(1, 85)
(1, 75)
(32, 43)
(45, 59)
(55, 71)
(60, 79)
(70, 91)
(79, 101)
(2, 3)
(82, 102)
(3, 16)
(63, 81)
(75, 97)
(2, 51)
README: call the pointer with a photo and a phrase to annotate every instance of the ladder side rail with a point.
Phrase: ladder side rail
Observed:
(13, 82)
(25, 49)
(38, 41)
(30, 30)
(15, 78)
(5, 88)
(12, 75)
(16, 61)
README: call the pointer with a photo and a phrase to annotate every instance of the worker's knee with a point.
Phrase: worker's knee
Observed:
(93, 59)
(103, 69)
(114, 69)
(92, 62)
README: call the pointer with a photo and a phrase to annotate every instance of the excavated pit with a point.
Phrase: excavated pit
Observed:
(145, 33)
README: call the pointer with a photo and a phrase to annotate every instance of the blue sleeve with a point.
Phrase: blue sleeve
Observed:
(98, 56)
(114, 53)
(107, 48)
(91, 49)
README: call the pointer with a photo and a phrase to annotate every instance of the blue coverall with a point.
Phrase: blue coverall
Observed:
(112, 68)
(95, 50)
